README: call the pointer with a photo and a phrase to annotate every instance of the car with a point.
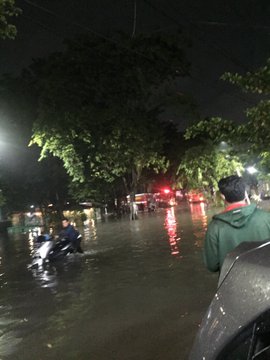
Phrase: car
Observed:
(237, 323)
(194, 196)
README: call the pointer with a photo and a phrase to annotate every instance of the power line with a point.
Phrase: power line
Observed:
(45, 27)
(53, 13)
(220, 51)
(134, 18)
(189, 22)
(230, 25)
(86, 28)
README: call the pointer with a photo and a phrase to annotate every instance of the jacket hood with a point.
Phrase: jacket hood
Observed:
(238, 217)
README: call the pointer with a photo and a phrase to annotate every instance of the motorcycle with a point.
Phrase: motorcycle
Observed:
(48, 250)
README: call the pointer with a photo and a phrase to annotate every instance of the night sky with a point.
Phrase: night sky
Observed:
(226, 36)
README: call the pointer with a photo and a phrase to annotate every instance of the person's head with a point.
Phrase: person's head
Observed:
(232, 188)
(65, 222)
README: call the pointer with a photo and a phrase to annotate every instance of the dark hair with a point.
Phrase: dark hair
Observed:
(233, 188)
(65, 219)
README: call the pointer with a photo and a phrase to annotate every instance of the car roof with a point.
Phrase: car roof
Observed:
(242, 296)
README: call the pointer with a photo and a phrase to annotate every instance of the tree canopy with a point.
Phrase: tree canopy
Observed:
(8, 10)
(203, 165)
(249, 141)
(97, 109)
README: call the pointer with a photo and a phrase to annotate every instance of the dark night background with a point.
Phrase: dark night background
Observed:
(225, 36)
(141, 288)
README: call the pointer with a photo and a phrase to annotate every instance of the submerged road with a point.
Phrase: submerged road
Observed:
(137, 293)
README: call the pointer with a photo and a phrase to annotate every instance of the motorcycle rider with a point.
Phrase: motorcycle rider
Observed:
(71, 234)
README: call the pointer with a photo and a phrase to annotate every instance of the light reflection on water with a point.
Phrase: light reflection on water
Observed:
(171, 227)
(90, 230)
(45, 277)
(129, 282)
(199, 220)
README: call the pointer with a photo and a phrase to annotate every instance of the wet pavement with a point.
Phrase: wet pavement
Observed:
(138, 292)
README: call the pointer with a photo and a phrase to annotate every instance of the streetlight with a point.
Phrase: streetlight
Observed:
(252, 170)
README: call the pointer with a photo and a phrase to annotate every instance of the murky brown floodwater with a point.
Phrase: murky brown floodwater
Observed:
(138, 292)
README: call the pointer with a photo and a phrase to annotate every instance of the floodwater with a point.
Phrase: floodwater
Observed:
(137, 293)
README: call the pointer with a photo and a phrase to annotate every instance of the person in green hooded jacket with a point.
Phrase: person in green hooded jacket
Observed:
(239, 222)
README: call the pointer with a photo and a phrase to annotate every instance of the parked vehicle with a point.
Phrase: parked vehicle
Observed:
(144, 201)
(194, 196)
(237, 323)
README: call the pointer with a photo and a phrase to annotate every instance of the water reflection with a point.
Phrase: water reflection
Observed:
(8, 342)
(45, 277)
(33, 233)
(90, 230)
(171, 227)
(88, 304)
(199, 221)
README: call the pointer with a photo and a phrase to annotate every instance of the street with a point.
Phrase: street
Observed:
(138, 292)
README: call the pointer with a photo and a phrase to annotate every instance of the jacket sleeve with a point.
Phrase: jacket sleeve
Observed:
(72, 233)
(210, 254)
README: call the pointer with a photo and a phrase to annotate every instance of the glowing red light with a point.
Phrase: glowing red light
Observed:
(166, 191)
